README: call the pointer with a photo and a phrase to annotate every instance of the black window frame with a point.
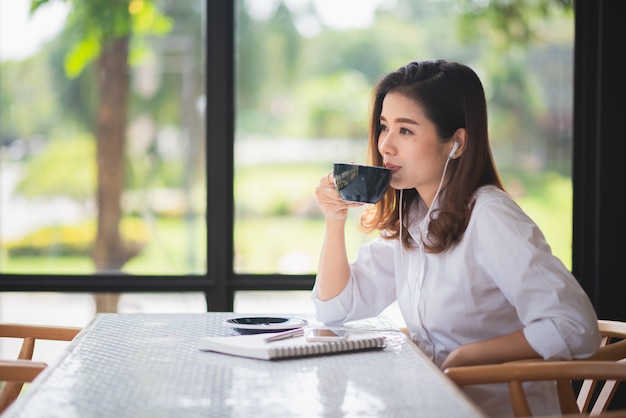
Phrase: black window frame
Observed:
(597, 231)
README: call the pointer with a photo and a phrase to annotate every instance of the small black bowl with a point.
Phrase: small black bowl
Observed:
(361, 183)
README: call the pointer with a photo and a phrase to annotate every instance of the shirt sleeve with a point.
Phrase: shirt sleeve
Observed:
(370, 289)
(558, 317)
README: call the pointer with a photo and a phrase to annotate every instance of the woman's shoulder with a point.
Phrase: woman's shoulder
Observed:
(491, 201)
(489, 194)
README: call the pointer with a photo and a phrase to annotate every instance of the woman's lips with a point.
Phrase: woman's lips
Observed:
(392, 167)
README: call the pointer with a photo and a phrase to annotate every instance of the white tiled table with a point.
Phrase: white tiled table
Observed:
(148, 365)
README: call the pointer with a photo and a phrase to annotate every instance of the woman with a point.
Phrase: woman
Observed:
(473, 275)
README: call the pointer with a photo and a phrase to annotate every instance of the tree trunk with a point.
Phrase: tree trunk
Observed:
(110, 252)
(106, 302)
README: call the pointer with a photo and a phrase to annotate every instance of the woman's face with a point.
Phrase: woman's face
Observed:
(410, 146)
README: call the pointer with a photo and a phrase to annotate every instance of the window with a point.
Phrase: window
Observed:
(304, 73)
(288, 87)
(103, 140)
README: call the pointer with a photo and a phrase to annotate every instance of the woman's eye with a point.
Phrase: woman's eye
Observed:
(405, 131)
(382, 128)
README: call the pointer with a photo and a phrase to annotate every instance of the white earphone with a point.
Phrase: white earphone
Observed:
(455, 147)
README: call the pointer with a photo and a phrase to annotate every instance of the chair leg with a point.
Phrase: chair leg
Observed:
(10, 391)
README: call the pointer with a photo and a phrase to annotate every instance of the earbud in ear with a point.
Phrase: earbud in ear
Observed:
(455, 147)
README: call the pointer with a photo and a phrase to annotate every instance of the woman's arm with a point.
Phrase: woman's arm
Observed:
(509, 347)
(333, 270)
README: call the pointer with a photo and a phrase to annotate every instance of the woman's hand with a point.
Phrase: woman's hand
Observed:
(334, 207)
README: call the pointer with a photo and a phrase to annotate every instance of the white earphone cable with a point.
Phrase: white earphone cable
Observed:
(419, 283)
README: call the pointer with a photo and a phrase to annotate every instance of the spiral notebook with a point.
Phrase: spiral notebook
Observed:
(256, 346)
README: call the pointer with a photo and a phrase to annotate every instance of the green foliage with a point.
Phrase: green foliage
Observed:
(81, 54)
(507, 23)
(288, 188)
(67, 167)
(99, 22)
(178, 246)
(57, 240)
(71, 240)
(35, 4)
(27, 105)
(334, 106)
(167, 251)
(148, 20)
(546, 197)
(347, 87)
(302, 91)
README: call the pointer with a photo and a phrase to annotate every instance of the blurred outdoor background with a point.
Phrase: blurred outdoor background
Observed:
(304, 73)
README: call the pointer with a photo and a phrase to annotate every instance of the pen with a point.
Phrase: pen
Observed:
(284, 335)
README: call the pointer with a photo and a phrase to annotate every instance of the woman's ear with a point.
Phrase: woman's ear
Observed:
(459, 143)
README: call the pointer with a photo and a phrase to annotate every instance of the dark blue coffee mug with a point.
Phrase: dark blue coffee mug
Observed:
(361, 183)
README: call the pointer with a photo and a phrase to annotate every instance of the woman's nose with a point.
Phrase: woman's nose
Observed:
(385, 144)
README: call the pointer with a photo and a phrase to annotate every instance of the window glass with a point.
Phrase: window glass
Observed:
(304, 73)
(102, 137)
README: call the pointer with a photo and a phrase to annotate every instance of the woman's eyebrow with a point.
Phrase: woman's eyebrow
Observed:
(410, 121)
(399, 120)
(406, 120)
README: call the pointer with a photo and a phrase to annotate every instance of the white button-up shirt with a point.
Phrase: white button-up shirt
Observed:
(501, 277)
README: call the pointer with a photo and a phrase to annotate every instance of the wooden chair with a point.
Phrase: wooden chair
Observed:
(612, 348)
(515, 373)
(594, 395)
(20, 370)
(15, 373)
(613, 344)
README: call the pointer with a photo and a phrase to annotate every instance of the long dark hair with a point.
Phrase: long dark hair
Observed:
(452, 97)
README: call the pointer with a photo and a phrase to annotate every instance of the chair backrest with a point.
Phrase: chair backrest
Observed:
(594, 395)
(612, 348)
(20, 370)
(16, 372)
(515, 373)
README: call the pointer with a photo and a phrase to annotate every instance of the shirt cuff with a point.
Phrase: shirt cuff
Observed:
(544, 337)
(333, 311)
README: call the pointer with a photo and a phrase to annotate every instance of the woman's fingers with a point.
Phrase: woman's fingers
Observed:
(334, 207)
